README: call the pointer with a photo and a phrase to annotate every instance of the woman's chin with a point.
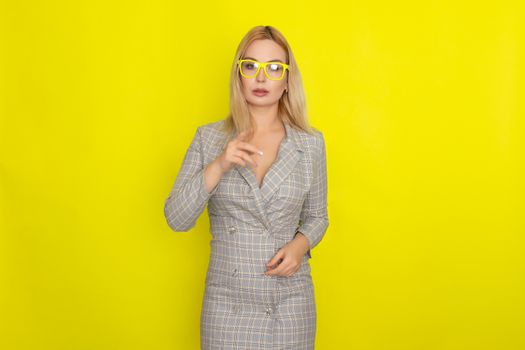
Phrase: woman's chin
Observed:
(261, 103)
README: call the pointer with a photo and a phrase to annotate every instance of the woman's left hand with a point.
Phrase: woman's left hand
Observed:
(288, 259)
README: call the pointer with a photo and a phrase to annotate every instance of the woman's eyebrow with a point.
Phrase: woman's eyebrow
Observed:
(274, 60)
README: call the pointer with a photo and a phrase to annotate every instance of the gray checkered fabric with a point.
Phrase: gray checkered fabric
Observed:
(242, 308)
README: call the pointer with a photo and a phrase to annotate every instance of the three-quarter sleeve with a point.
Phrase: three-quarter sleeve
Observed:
(188, 196)
(314, 214)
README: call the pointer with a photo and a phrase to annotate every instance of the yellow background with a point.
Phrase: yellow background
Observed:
(421, 105)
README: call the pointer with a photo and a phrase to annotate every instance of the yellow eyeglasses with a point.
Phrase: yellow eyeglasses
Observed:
(272, 70)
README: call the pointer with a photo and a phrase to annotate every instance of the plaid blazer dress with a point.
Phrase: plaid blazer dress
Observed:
(242, 308)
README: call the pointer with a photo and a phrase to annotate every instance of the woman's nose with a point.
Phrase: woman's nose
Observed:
(260, 75)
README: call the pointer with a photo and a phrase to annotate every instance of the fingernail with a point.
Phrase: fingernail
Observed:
(261, 153)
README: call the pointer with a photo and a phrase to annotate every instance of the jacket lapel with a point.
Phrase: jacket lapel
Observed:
(289, 153)
(249, 176)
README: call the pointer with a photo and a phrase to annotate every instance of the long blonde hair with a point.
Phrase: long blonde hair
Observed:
(292, 104)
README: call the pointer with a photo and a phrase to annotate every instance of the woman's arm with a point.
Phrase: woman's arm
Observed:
(314, 214)
(193, 187)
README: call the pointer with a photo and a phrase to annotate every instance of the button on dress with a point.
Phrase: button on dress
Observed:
(243, 308)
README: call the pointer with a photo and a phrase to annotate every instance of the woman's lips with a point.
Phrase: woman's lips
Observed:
(258, 92)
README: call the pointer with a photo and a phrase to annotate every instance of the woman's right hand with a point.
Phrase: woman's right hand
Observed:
(238, 151)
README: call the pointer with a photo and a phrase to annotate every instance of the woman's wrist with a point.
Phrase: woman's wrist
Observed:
(216, 167)
(212, 175)
(301, 239)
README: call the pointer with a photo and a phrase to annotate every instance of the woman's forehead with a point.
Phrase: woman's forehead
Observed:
(265, 51)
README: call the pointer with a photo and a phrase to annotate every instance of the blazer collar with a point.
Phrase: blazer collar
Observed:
(290, 152)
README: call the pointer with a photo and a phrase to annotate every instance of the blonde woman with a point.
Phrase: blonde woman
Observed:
(262, 173)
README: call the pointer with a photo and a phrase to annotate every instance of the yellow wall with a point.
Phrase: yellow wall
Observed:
(421, 105)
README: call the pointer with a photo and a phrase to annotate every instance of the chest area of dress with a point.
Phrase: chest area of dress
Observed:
(265, 161)
(283, 189)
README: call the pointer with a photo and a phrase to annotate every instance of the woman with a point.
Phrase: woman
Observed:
(262, 172)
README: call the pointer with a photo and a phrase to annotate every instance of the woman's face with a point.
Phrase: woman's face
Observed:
(264, 50)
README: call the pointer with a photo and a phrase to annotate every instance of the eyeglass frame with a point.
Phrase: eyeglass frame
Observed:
(263, 65)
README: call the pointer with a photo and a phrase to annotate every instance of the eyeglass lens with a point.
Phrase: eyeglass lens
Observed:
(274, 70)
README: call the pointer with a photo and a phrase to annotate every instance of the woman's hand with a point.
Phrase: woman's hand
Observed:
(238, 152)
(288, 259)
